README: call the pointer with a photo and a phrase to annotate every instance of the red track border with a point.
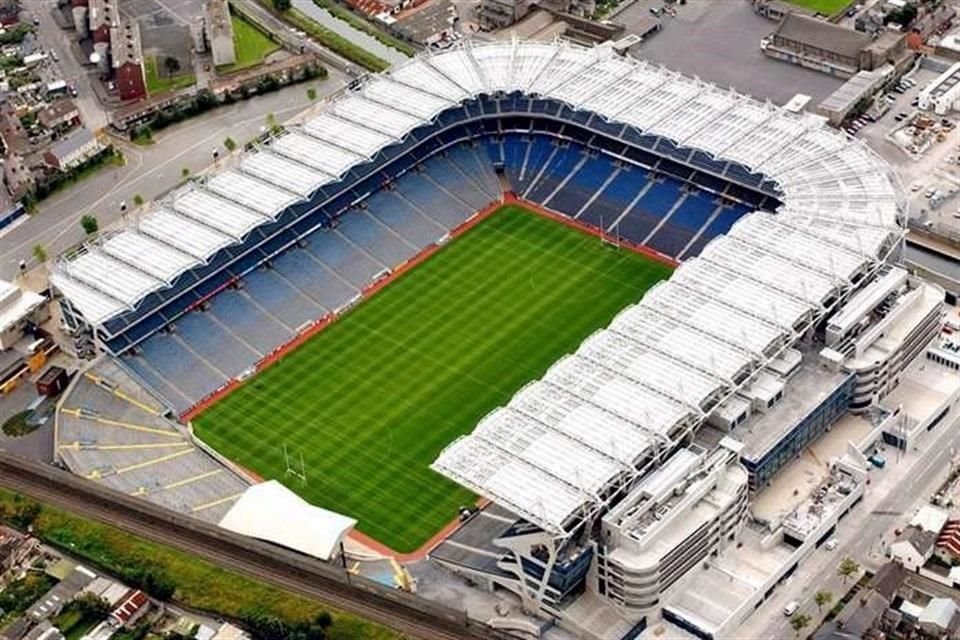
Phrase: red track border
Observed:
(372, 289)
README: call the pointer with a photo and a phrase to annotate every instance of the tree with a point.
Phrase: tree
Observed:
(89, 224)
(799, 621)
(39, 253)
(281, 5)
(311, 94)
(229, 144)
(185, 172)
(92, 606)
(848, 566)
(137, 200)
(27, 512)
(171, 64)
(822, 598)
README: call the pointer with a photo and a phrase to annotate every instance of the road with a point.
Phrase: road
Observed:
(263, 562)
(889, 502)
(150, 171)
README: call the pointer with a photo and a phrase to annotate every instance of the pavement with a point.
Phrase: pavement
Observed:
(894, 493)
(720, 42)
(150, 170)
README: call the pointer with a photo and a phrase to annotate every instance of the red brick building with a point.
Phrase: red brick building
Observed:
(127, 56)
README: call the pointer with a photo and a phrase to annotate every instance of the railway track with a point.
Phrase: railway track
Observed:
(284, 569)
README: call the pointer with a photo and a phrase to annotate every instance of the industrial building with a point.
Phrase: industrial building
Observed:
(943, 94)
(833, 49)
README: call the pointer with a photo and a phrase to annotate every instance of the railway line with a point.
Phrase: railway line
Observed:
(291, 571)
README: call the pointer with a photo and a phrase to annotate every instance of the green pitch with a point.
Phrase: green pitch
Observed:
(826, 7)
(373, 399)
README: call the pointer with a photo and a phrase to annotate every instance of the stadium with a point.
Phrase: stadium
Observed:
(527, 272)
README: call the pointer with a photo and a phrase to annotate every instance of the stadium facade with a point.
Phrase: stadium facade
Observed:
(777, 222)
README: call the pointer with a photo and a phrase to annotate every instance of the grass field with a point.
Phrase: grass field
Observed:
(198, 584)
(160, 84)
(826, 7)
(250, 45)
(371, 400)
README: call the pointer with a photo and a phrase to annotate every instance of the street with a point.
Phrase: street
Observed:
(150, 171)
(889, 501)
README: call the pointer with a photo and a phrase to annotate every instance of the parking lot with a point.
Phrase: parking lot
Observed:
(165, 25)
(719, 41)
(935, 172)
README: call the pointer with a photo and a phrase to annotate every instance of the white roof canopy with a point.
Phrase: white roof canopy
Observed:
(269, 511)
(838, 193)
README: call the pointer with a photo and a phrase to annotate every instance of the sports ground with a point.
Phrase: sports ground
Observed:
(371, 401)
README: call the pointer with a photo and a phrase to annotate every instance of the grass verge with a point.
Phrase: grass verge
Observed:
(157, 84)
(372, 400)
(330, 39)
(357, 22)
(250, 44)
(197, 583)
(826, 7)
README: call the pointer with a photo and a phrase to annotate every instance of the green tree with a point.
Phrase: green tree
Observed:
(848, 566)
(89, 224)
(311, 94)
(185, 172)
(26, 513)
(798, 622)
(138, 200)
(171, 64)
(822, 598)
(229, 144)
(281, 5)
(92, 606)
(40, 253)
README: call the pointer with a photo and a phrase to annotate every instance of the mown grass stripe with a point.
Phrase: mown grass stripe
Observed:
(373, 399)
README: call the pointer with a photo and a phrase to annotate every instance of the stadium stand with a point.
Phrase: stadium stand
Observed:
(227, 268)
(111, 431)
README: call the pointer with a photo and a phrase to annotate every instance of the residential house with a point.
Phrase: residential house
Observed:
(62, 113)
(133, 607)
(76, 148)
(940, 618)
(15, 547)
(913, 547)
(948, 543)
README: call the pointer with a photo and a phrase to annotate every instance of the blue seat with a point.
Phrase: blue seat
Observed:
(582, 185)
(396, 213)
(234, 310)
(212, 343)
(312, 276)
(660, 198)
(285, 302)
(375, 239)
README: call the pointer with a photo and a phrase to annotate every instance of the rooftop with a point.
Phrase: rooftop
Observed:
(818, 33)
(804, 392)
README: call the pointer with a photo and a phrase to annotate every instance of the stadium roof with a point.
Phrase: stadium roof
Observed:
(753, 289)
(268, 510)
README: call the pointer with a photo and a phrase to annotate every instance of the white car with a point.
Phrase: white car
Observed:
(791, 608)
(831, 544)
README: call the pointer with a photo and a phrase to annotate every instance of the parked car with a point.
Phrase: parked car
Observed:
(792, 607)
(656, 11)
(831, 544)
